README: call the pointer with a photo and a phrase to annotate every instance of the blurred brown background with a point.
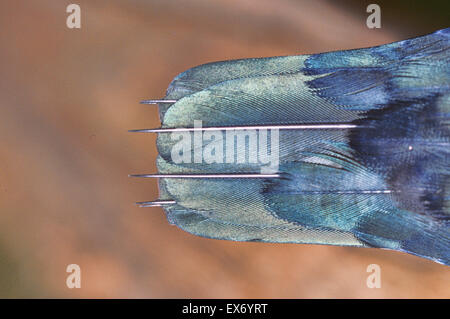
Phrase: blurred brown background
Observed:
(67, 99)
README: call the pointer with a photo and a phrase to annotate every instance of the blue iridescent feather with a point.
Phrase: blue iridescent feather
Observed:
(382, 182)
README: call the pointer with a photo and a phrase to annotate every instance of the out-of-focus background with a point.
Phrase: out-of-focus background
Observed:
(67, 99)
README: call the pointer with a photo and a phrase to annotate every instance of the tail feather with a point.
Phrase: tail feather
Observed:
(381, 181)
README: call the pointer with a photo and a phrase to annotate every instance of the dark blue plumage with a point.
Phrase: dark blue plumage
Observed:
(368, 168)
